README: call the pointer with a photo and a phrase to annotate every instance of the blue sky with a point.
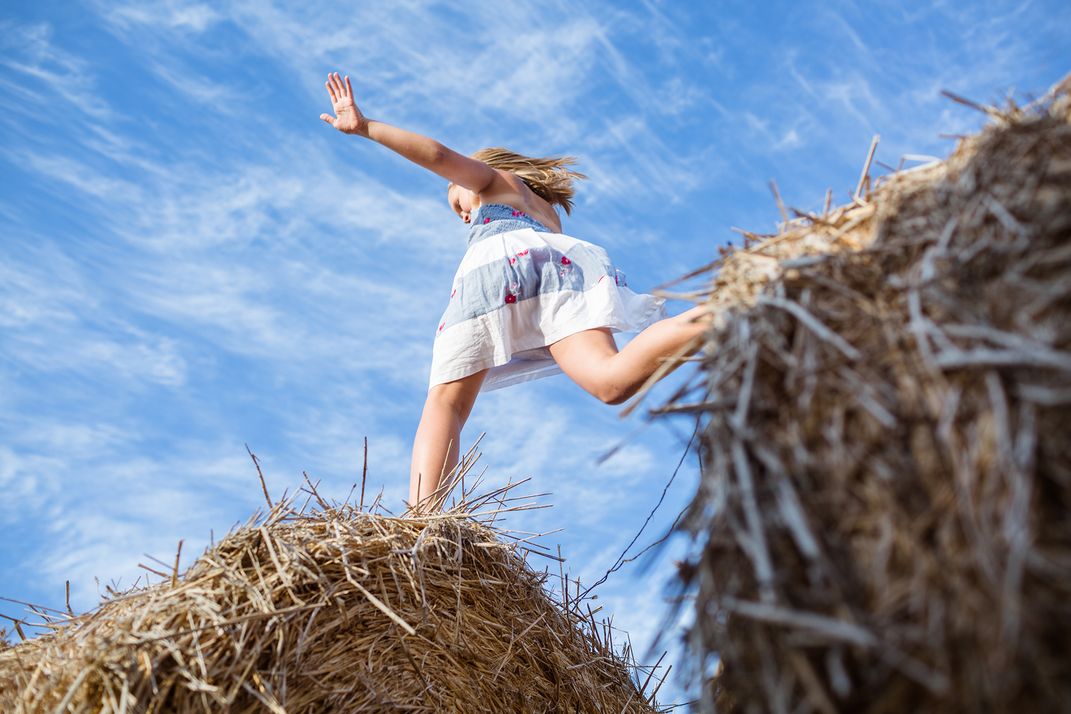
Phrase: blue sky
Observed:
(190, 260)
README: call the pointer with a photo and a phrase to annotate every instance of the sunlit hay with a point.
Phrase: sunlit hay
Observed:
(883, 520)
(337, 609)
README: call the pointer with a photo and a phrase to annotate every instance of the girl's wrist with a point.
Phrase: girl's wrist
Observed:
(363, 128)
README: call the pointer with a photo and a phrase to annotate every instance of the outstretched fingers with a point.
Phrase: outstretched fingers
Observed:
(328, 118)
(340, 89)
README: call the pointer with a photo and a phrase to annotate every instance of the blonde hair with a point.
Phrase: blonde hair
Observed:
(548, 177)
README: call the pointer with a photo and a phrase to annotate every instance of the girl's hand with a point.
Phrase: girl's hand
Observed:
(348, 117)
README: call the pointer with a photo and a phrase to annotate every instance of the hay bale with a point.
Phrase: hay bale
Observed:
(334, 610)
(882, 523)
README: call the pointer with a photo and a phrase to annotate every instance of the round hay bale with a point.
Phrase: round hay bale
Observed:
(333, 610)
(882, 521)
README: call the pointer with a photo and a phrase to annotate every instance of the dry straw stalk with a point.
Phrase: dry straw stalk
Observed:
(337, 609)
(882, 521)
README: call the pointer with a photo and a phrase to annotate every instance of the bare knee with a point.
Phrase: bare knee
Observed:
(457, 396)
(611, 392)
(605, 383)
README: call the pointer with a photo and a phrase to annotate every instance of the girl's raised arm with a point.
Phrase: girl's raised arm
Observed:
(421, 150)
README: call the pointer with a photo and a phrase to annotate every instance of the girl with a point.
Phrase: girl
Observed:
(527, 301)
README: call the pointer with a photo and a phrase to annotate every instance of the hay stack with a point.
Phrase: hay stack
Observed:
(334, 610)
(883, 520)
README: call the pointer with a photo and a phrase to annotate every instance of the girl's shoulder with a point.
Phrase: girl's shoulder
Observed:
(523, 198)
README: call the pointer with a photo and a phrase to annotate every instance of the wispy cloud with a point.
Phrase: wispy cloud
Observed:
(486, 75)
(42, 71)
(176, 15)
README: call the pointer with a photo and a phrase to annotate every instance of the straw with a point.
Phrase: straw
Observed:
(336, 609)
(882, 519)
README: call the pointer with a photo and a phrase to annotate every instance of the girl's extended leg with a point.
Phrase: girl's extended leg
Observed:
(436, 446)
(592, 360)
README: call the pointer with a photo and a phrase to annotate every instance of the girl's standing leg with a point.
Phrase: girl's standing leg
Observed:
(592, 360)
(436, 447)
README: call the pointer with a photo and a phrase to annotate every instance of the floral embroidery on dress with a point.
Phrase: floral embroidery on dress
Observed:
(511, 298)
(565, 261)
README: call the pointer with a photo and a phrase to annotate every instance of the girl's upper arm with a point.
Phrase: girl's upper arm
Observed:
(465, 171)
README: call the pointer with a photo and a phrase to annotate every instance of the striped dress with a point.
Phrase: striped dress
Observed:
(521, 287)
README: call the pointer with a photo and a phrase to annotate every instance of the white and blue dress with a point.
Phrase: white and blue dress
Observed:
(521, 287)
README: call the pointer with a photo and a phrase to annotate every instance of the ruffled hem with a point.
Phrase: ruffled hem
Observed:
(517, 358)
